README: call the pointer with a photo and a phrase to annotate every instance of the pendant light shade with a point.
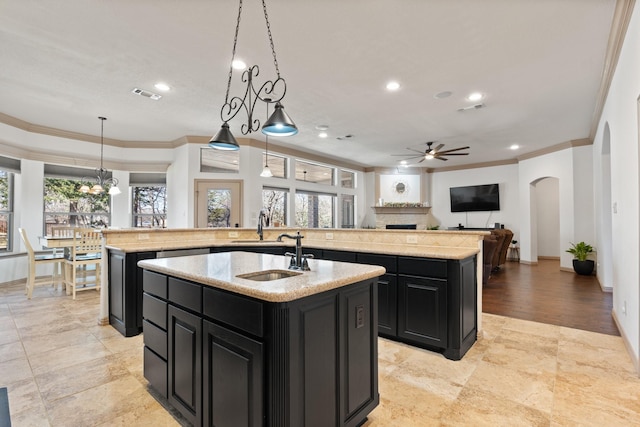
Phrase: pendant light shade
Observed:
(224, 140)
(266, 172)
(279, 124)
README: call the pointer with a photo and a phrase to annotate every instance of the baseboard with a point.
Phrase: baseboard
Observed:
(552, 258)
(567, 269)
(522, 261)
(627, 343)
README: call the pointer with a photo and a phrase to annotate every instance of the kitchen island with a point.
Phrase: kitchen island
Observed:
(226, 346)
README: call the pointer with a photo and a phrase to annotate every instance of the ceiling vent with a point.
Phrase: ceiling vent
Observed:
(472, 107)
(146, 93)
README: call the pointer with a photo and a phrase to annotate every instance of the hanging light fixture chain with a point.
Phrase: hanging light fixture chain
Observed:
(233, 52)
(102, 119)
(273, 49)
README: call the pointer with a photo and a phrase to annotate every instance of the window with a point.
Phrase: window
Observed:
(274, 201)
(347, 179)
(149, 206)
(314, 210)
(64, 204)
(148, 200)
(6, 210)
(277, 164)
(348, 210)
(219, 161)
(312, 172)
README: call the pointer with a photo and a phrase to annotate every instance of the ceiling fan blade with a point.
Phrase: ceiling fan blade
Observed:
(437, 149)
(416, 151)
(421, 160)
(440, 158)
(453, 149)
(452, 154)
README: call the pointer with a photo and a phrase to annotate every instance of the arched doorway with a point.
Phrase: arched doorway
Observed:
(545, 218)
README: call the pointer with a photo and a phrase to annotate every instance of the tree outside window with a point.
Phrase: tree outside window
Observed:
(274, 202)
(64, 204)
(315, 210)
(6, 209)
(149, 206)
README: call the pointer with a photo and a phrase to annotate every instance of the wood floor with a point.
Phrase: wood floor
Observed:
(545, 294)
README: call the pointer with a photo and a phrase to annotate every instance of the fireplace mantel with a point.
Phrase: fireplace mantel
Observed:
(401, 210)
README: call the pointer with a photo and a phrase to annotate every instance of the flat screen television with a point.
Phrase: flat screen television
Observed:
(475, 198)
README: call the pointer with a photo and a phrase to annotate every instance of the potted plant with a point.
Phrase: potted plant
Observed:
(580, 252)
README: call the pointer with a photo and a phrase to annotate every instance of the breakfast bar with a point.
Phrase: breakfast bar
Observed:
(238, 338)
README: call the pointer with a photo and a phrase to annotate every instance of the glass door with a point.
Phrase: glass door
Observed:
(218, 203)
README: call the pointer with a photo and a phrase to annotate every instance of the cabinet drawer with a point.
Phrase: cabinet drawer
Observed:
(242, 313)
(387, 261)
(154, 310)
(155, 338)
(155, 371)
(338, 255)
(425, 267)
(154, 283)
(185, 294)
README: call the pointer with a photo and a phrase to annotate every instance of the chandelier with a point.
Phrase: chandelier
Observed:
(271, 91)
(102, 180)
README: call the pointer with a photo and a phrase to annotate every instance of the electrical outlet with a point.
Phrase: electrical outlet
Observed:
(233, 234)
(328, 236)
(412, 239)
(144, 236)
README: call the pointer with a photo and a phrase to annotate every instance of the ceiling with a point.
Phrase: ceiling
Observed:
(539, 64)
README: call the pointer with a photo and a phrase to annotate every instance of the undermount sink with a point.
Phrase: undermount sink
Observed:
(253, 241)
(265, 276)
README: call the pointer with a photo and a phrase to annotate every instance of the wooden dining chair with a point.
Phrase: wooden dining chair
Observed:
(41, 259)
(85, 251)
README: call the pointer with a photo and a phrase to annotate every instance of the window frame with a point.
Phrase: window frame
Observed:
(8, 211)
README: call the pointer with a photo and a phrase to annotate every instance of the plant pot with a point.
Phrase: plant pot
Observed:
(584, 268)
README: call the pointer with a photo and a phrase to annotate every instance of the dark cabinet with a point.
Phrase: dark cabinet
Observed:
(388, 305)
(247, 362)
(185, 363)
(422, 310)
(125, 291)
(333, 255)
(232, 378)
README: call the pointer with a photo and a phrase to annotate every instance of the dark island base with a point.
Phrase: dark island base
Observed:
(225, 359)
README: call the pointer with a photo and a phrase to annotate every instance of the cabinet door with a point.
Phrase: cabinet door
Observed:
(185, 363)
(232, 378)
(422, 310)
(387, 305)
(343, 256)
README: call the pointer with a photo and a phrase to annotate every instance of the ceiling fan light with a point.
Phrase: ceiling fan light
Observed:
(224, 140)
(429, 156)
(279, 124)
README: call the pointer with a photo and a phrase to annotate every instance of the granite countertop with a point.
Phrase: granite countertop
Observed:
(443, 252)
(220, 270)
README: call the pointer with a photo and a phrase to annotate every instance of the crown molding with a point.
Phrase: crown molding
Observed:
(74, 160)
(619, 25)
(555, 148)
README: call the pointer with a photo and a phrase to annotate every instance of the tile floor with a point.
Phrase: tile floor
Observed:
(62, 369)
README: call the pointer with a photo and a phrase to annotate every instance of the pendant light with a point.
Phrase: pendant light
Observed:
(279, 124)
(266, 172)
(102, 178)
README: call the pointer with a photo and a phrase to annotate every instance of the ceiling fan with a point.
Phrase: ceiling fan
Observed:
(434, 153)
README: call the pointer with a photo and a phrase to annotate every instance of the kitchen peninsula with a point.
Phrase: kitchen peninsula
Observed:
(236, 338)
(429, 296)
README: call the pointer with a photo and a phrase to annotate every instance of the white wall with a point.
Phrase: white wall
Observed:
(576, 216)
(507, 178)
(548, 218)
(621, 113)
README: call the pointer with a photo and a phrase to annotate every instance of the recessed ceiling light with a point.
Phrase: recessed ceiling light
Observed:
(403, 162)
(475, 96)
(323, 134)
(442, 95)
(393, 85)
(514, 147)
(322, 127)
(162, 86)
(239, 64)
